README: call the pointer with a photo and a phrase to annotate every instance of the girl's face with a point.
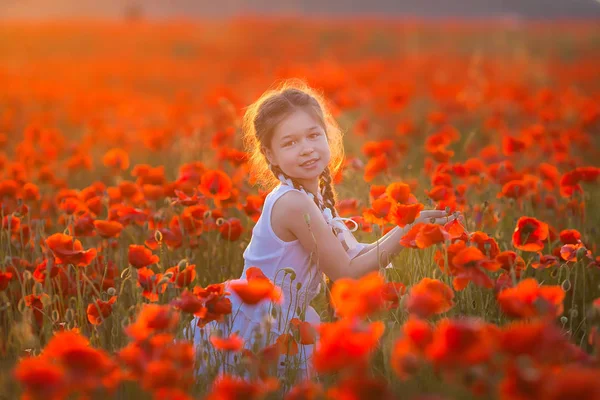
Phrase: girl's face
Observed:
(300, 148)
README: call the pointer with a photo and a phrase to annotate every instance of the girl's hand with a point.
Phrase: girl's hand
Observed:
(440, 217)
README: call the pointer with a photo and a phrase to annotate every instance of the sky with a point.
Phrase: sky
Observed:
(538, 9)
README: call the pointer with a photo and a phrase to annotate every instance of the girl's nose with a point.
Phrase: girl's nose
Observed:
(307, 150)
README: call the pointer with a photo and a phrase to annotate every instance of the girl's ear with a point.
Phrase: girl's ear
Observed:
(269, 155)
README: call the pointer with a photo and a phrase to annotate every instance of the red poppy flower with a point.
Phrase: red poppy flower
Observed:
(512, 145)
(515, 189)
(379, 211)
(68, 250)
(528, 299)
(306, 332)
(256, 290)
(585, 174)
(509, 260)
(99, 310)
(140, 257)
(253, 205)
(358, 298)
(231, 229)
(287, 345)
(375, 166)
(442, 179)
(216, 185)
(35, 302)
(188, 303)
(429, 297)
(358, 386)
(469, 265)
(541, 340)
(545, 261)
(182, 277)
(255, 273)
(41, 378)
(150, 284)
(392, 291)
(570, 236)
(569, 252)
(406, 359)
(486, 244)
(530, 234)
(456, 230)
(346, 344)
(305, 390)
(117, 159)
(431, 234)
(503, 281)
(229, 387)
(409, 239)
(374, 149)
(216, 304)
(153, 319)
(441, 154)
(377, 191)
(462, 343)
(108, 229)
(400, 192)
(439, 193)
(403, 215)
(232, 343)
(5, 278)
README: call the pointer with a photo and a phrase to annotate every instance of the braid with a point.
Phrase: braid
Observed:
(327, 191)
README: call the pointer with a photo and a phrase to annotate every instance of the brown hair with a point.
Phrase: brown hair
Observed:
(262, 117)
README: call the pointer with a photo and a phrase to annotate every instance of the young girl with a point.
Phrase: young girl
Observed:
(296, 147)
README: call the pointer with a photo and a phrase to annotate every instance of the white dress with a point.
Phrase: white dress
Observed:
(289, 266)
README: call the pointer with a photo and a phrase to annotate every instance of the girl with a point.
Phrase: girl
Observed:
(295, 148)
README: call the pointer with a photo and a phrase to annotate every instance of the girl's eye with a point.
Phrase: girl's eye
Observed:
(315, 135)
(286, 144)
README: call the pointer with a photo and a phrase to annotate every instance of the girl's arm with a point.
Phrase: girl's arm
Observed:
(376, 254)
(379, 241)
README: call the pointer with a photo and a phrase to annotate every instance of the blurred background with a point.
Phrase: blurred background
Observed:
(47, 9)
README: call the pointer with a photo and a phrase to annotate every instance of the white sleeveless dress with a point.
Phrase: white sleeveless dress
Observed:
(289, 266)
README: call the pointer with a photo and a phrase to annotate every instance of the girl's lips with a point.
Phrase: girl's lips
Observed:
(310, 164)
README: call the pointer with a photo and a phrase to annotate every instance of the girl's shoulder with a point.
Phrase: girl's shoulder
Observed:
(286, 197)
(280, 190)
(288, 203)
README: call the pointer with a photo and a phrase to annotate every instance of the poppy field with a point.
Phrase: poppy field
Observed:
(127, 202)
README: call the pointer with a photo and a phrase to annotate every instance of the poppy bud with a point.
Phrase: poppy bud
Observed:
(69, 315)
(111, 291)
(291, 272)
(207, 214)
(563, 320)
(27, 276)
(581, 253)
(158, 236)
(566, 285)
(573, 313)
(38, 289)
